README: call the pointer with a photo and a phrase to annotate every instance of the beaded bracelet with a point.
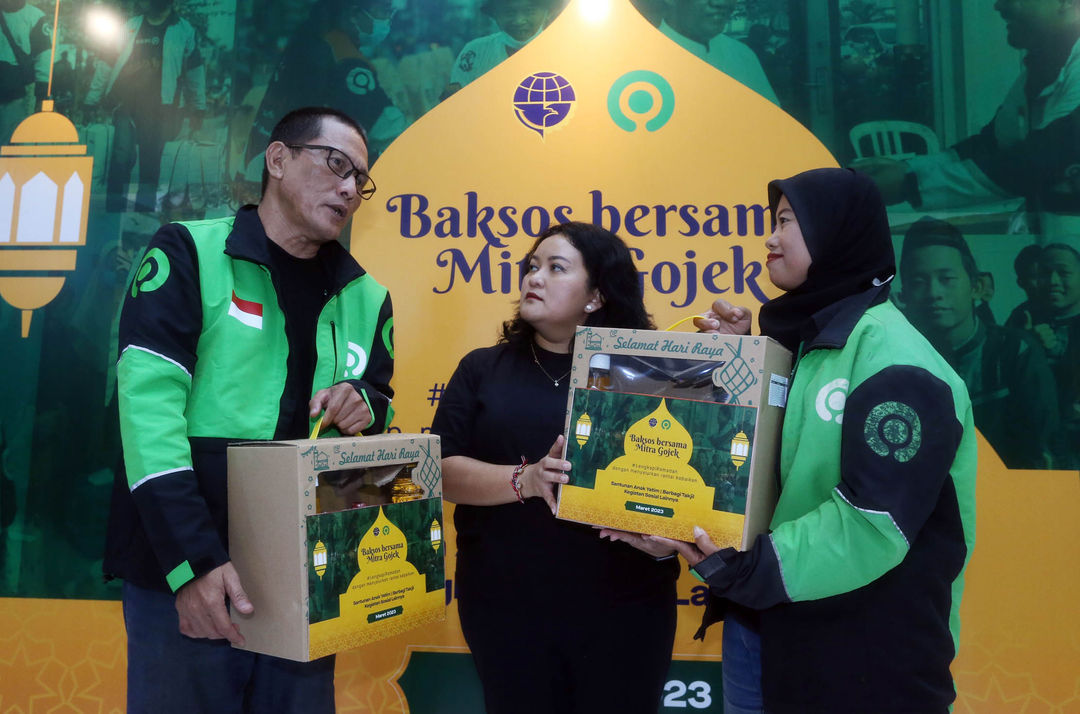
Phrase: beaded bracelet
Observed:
(515, 479)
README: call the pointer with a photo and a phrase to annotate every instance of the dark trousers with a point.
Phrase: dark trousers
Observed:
(168, 672)
(142, 129)
(570, 657)
(742, 667)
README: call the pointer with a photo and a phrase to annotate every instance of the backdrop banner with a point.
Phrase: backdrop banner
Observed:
(600, 118)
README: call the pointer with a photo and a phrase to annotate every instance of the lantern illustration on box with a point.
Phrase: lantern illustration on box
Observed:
(44, 201)
(740, 449)
(583, 429)
(436, 534)
(319, 558)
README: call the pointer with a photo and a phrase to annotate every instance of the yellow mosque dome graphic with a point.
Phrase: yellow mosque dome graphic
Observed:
(383, 547)
(660, 435)
(638, 135)
(44, 203)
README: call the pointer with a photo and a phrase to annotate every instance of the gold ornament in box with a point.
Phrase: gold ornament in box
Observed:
(403, 489)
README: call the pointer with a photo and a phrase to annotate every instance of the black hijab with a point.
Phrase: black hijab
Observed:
(846, 229)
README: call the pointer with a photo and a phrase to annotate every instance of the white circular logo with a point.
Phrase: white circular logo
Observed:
(357, 360)
(831, 400)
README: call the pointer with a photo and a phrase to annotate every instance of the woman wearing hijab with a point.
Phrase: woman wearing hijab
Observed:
(856, 589)
(557, 619)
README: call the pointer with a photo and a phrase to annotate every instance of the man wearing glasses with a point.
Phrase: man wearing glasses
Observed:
(242, 328)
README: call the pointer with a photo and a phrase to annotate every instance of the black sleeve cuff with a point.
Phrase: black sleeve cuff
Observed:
(748, 578)
(379, 403)
(714, 570)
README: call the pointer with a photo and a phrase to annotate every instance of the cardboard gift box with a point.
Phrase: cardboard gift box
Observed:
(337, 542)
(666, 431)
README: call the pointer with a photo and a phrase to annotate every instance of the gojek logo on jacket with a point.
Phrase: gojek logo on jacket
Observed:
(831, 400)
(893, 428)
(356, 362)
(152, 274)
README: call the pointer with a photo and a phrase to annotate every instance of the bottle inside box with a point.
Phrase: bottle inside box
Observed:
(366, 487)
(660, 376)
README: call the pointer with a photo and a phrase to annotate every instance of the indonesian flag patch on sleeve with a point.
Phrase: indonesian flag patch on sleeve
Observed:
(247, 312)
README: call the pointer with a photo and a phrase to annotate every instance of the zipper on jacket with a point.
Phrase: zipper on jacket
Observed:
(795, 364)
(333, 341)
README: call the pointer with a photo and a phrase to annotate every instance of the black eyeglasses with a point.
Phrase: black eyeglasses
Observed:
(343, 166)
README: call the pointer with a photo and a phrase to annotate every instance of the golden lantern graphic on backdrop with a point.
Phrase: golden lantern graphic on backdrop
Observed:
(45, 178)
(44, 202)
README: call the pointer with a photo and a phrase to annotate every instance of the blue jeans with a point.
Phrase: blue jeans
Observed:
(741, 668)
(169, 672)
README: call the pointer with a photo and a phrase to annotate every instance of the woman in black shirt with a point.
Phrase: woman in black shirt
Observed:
(558, 619)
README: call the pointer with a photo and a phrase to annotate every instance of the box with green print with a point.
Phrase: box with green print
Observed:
(666, 431)
(338, 542)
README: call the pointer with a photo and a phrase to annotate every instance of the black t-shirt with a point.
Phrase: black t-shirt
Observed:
(497, 407)
(140, 78)
(303, 289)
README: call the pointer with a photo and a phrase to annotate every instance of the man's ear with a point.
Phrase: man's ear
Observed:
(984, 286)
(275, 159)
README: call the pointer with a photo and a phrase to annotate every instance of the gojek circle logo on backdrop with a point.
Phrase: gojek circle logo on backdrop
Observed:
(641, 98)
(543, 100)
(361, 80)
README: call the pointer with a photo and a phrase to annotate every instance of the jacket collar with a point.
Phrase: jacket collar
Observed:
(248, 241)
(831, 326)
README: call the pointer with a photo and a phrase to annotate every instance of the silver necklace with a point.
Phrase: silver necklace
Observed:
(532, 346)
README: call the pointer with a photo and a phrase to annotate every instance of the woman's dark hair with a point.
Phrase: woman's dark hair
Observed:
(611, 270)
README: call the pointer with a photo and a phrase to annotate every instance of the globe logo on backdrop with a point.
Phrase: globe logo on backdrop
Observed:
(543, 100)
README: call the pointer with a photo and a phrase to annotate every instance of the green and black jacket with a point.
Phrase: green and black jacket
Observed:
(203, 362)
(858, 584)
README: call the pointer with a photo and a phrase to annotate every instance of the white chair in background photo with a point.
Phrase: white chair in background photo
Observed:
(893, 139)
